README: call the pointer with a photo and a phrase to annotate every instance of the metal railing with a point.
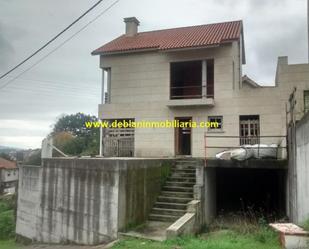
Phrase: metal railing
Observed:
(191, 92)
(214, 144)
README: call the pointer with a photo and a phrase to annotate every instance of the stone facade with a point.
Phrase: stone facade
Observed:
(140, 89)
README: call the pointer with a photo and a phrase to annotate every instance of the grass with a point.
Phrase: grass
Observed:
(227, 232)
(262, 238)
(222, 240)
(7, 224)
(7, 219)
(305, 225)
(8, 244)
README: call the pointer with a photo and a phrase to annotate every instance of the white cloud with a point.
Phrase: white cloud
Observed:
(23, 142)
(272, 28)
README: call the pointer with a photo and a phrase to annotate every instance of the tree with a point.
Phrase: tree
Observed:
(75, 124)
(73, 137)
(34, 158)
(5, 156)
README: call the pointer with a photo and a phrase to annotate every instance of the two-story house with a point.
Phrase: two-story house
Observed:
(8, 176)
(190, 74)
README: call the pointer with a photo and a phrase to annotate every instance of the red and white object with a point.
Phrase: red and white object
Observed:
(291, 236)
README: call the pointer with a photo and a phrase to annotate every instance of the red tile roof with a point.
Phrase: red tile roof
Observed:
(177, 38)
(6, 164)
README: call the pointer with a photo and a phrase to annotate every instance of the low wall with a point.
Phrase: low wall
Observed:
(86, 201)
(302, 169)
(29, 192)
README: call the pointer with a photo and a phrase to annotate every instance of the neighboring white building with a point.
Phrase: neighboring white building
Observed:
(8, 176)
(191, 73)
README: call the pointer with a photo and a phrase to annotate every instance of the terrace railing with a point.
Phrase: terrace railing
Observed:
(191, 92)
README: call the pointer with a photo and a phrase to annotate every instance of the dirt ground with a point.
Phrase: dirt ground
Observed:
(62, 247)
(45, 246)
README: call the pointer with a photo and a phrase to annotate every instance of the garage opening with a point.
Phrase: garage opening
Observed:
(259, 191)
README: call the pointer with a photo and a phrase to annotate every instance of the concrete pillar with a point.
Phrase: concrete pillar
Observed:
(108, 85)
(101, 140)
(102, 88)
(204, 79)
(47, 148)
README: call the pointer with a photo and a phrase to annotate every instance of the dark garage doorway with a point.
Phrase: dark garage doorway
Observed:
(241, 190)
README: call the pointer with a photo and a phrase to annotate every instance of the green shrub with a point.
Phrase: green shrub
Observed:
(305, 225)
(4, 206)
(7, 224)
(165, 172)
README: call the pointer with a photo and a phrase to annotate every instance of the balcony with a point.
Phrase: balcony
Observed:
(191, 95)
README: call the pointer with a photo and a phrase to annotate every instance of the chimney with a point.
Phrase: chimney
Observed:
(131, 26)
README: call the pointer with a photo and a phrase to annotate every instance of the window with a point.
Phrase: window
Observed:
(249, 129)
(192, 79)
(306, 101)
(213, 120)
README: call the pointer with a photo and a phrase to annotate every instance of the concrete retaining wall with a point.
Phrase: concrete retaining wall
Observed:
(302, 168)
(86, 201)
(28, 200)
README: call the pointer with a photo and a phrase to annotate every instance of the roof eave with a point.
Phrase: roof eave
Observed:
(188, 48)
(160, 50)
(131, 51)
(251, 82)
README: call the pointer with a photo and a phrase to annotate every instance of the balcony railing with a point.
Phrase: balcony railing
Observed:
(218, 143)
(192, 92)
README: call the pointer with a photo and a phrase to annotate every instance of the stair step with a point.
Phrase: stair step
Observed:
(184, 166)
(173, 194)
(171, 205)
(160, 217)
(182, 174)
(167, 211)
(178, 189)
(185, 161)
(179, 184)
(183, 170)
(179, 179)
(173, 199)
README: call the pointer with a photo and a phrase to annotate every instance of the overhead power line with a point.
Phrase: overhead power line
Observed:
(60, 45)
(59, 84)
(51, 40)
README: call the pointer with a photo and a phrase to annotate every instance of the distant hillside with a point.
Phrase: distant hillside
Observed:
(7, 149)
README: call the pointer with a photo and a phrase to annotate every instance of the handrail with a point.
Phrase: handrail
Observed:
(277, 136)
(210, 144)
(196, 88)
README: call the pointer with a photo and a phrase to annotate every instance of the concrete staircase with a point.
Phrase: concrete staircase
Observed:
(176, 193)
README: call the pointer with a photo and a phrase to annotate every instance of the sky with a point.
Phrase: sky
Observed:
(68, 80)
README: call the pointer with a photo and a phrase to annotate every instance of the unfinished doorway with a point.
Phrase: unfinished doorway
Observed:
(192, 79)
(183, 137)
(118, 142)
(259, 191)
